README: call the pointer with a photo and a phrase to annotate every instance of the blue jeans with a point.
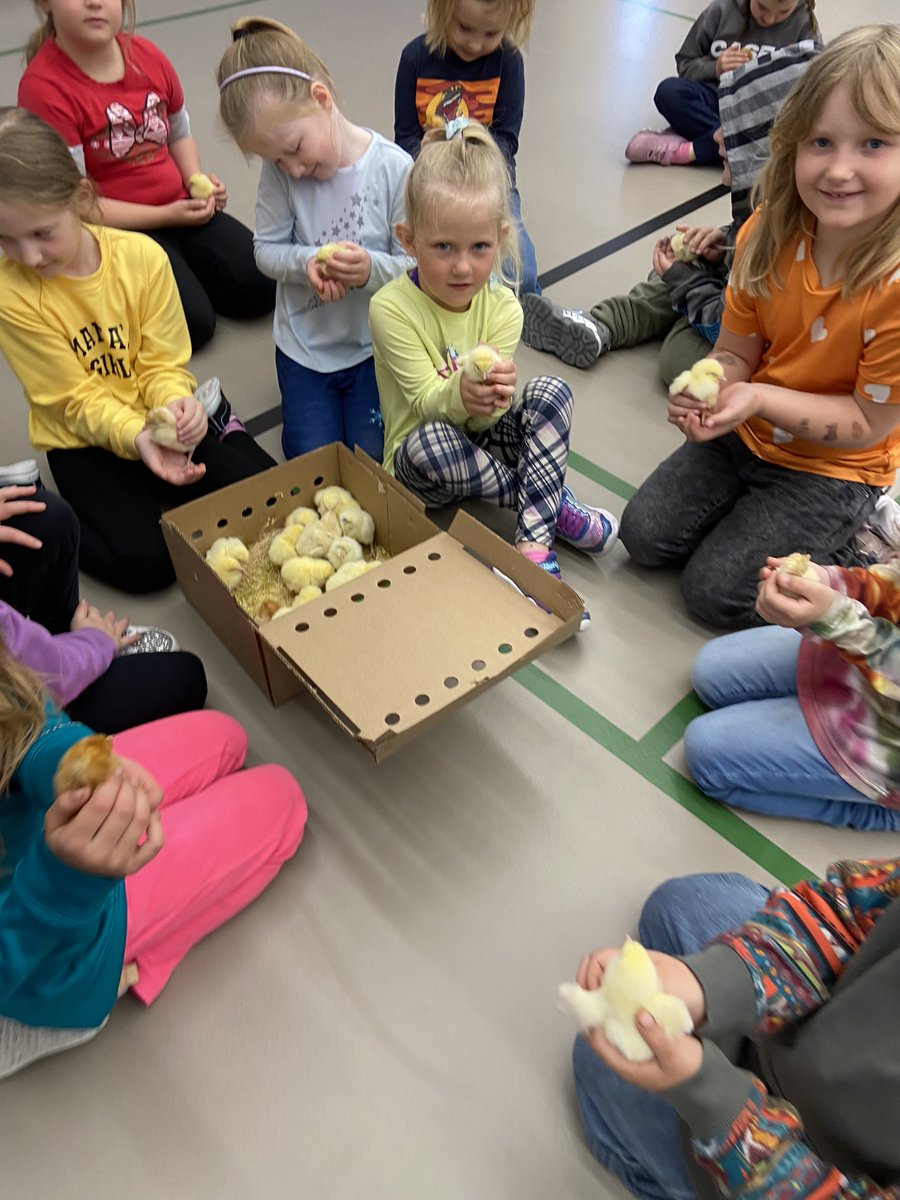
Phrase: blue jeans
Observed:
(632, 1132)
(322, 407)
(754, 750)
(528, 277)
(692, 109)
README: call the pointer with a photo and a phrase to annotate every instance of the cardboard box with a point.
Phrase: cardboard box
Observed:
(393, 652)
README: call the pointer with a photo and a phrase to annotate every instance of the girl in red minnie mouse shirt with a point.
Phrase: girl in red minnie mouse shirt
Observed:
(119, 105)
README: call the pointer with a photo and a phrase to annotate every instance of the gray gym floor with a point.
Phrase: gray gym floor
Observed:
(382, 1022)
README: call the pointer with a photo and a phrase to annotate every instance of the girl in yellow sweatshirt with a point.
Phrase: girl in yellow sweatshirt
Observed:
(91, 323)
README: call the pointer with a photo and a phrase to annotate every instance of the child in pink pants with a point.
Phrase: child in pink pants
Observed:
(227, 833)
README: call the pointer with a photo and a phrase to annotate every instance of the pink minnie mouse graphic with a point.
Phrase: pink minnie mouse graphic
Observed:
(125, 132)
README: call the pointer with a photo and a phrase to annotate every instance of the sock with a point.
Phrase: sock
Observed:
(683, 155)
(535, 554)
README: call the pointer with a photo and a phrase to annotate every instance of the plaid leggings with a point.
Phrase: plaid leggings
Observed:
(518, 463)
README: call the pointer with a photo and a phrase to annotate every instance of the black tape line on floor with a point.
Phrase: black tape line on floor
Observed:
(621, 240)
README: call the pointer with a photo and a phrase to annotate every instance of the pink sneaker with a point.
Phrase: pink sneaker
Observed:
(651, 146)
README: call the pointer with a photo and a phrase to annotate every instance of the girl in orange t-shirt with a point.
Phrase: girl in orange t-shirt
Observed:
(803, 436)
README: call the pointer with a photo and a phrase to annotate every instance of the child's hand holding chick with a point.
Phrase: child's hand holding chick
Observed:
(111, 830)
(793, 601)
(731, 58)
(705, 241)
(86, 616)
(483, 397)
(349, 265)
(190, 420)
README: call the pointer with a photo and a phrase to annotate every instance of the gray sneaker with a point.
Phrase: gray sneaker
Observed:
(20, 474)
(152, 640)
(572, 335)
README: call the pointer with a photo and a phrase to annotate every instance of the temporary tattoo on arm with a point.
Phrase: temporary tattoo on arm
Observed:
(726, 357)
(857, 431)
(803, 427)
(831, 433)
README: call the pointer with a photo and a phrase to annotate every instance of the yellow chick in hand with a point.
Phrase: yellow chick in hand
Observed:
(200, 186)
(681, 249)
(701, 381)
(161, 423)
(478, 363)
(630, 983)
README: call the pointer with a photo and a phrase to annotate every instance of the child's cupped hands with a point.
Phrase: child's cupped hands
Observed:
(675, 977)
(190, 420)
(731, 58)
(114, 830)
(188, 211)
(736, 403)
(662, 257)
(328, 290)
(220, 195)
(482, 398)
(350, 266)
(792, 601)
(674, 1061)
(706, 241)
(172, 466)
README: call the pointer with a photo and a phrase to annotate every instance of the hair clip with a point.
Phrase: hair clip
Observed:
(263, 71)
(457, 125)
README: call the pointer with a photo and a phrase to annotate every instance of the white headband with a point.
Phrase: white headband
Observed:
(263, 71)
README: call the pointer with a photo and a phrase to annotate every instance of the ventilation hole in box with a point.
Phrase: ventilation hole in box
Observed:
(433, 556)
(358, 598)
(531, 631)
(271, 500)
(478, 664)
(295, 491)
(392, 719)
(505, 648)
(330, 612)
(384, 583)
(451, 682)
(221, 523)
(246, 512)
(423, 700)
(318, 481)
(302, 627)
(198, 533)
(409, 570)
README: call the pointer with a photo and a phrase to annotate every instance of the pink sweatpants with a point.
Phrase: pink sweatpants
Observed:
(227, 833)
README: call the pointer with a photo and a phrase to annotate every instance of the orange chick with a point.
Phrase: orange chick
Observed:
(86, 764)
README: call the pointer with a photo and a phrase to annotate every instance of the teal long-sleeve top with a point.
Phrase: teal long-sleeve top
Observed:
(62, 932)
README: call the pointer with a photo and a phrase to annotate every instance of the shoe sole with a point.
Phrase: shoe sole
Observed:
(569, 341)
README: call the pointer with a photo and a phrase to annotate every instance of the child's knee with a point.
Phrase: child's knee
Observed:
(550, 396)
(726, 602)
(637, 534)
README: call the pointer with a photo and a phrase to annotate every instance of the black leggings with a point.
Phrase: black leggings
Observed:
(138, 688)
(119, 503)
(44, 583)
(215, 272)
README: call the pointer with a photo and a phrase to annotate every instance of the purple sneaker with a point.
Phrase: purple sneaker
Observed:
(651, 146)
(593, 530)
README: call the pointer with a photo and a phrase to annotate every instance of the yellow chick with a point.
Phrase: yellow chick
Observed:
(348, 572)
(701, 381)
(284, 546)
(310, 592)
(228, 557)
(161, 423)
(301, 516)
(332, 499)
(304, 571)
(680, 249)
(799, 564)
(200, 186)
(315, 539)
(344, 550)
(630, 983)
(355, 522)
(478, 363)
(325, 252)
(87, 763)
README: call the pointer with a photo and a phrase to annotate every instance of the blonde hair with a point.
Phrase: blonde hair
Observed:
(261, 42)
(865, 61)
(22, 700)
(36, 167)
(468, 166)
(439, 14)
(47, 30)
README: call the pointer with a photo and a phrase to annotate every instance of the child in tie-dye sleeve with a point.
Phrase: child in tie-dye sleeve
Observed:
(804, 434)
(806, 717)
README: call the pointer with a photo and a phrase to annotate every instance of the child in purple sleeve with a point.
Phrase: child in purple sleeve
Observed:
(468, 63)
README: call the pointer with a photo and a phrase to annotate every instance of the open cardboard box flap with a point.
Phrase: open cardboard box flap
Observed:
(394, 651)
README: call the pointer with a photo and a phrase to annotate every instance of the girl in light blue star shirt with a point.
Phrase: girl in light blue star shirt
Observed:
(330, 196)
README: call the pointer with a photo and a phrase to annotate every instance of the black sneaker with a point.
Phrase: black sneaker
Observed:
(219, 417)
(573, 336)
